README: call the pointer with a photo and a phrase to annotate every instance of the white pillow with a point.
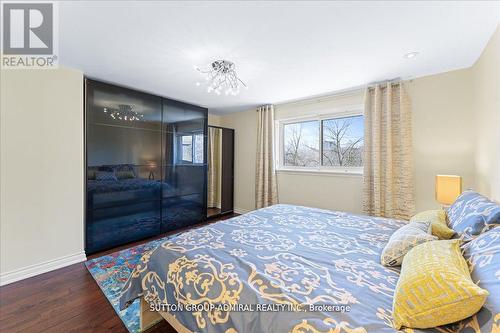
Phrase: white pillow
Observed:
(404, 239)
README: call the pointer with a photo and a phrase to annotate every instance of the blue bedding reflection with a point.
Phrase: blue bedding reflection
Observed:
(107, 186)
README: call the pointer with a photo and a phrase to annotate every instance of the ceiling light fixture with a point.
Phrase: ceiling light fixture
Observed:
(411, 55)
(124, 112)
(221, 76)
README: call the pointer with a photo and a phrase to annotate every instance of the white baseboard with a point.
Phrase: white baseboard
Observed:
(44, 267)
(238, 210)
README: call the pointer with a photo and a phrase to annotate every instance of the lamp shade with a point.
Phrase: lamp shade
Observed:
(448, 188)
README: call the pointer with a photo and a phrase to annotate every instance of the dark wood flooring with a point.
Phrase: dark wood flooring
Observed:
(65, 300)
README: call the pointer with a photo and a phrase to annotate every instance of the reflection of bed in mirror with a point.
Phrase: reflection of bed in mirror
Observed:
(126, 209)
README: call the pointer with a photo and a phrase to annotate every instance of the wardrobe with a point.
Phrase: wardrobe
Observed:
(146, 165)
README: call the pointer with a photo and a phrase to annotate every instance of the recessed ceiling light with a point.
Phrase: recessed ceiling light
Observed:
(410, 55)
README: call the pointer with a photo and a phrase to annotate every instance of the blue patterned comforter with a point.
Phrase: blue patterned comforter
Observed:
(283, 255)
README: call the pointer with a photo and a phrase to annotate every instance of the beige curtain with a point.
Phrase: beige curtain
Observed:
(388, 166)
(214, 167)
(266, 193)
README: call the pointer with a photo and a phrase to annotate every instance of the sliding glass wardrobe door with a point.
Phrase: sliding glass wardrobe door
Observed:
(146, 165)
(184, 165)
(124, 145)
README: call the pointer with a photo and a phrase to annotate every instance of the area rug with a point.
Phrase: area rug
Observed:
(111, 273)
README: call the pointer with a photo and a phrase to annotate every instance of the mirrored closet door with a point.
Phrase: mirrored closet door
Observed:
(146, 165)
(220, 178)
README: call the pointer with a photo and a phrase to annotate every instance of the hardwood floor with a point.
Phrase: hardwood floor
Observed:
(65, 300)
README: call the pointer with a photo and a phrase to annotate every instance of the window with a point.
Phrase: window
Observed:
(191, 148)
(324, 143)
(343, 142)
(198, 148)
(187, 148)
(301, 144)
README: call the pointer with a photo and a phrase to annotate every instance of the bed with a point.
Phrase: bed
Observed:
(290, 260)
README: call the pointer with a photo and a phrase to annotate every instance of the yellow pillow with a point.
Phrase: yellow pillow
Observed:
(435, 287)
(438, 219)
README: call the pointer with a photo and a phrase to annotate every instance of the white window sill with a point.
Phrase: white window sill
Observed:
(321, 172)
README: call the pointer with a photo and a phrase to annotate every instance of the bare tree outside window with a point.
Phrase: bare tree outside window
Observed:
(343, 142)
(301, 144)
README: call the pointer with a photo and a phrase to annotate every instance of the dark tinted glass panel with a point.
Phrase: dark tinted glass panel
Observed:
(184, 196)
(184, 128)
(124, 144)
(112, 226)
(169, 148)
(178, 212)
(145, 165)
(112, 185)
(121, 145)
(183, 118)
(182, 180)
(116, 106)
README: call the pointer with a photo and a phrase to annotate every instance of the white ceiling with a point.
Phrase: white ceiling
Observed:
(283, 50)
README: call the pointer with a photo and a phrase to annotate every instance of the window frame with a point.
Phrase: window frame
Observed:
(180, 160)
(353, 111)
(182, 145)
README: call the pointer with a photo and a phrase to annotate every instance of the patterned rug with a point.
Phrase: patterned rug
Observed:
(112, 271)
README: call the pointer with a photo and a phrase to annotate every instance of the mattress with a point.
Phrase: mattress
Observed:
(283, 268)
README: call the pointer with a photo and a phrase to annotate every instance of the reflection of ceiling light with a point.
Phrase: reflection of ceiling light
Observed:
(221, 76)
(410, 55)
(124, 112)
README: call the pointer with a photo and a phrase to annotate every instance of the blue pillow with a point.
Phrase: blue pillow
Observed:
(105, 175)
(473, 213)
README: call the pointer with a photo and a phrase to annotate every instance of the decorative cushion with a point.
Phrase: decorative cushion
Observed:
(437, 217)
(403, 240)
(106, 168)
(483, 256)
(105, 175)
(91, 173)
(124, 167)
(435, 287)
(125, 174)
(473, 213)
(117, 167)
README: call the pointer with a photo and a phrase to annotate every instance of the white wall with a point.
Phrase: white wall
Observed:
(443, 132)
(444, 137)
(214, 119)
(486, 80)
(41, 171)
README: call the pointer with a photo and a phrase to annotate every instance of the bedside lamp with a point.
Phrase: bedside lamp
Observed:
(448, 188)
(151, 167)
